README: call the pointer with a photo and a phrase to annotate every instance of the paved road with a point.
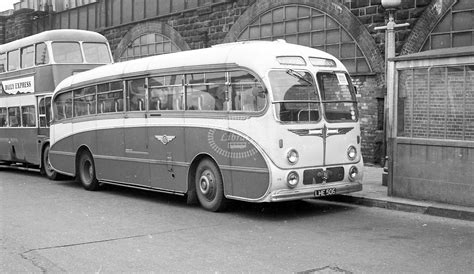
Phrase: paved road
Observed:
(56, 226)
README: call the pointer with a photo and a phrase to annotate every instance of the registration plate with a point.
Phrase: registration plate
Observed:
(325, 192)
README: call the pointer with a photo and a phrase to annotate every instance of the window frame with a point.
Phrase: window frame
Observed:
(17, 53)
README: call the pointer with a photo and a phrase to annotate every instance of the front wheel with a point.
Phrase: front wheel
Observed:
(46, 167)
(209, 186)
(86, 170)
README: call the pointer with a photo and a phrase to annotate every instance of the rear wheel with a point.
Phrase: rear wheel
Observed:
(209, 186)
(86, 170)
(46, 168)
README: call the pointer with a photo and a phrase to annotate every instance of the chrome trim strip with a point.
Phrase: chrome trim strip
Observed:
(131, 151)
(244, 168)
(143, 187)
(141, 160)
(62, 153)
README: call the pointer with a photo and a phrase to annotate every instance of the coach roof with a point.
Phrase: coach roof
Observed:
(256, 55)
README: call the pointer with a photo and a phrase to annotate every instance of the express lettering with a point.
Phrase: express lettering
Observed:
(23, 85)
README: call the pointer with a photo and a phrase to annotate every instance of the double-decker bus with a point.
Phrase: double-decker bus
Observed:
(251, 121)
(30, 69)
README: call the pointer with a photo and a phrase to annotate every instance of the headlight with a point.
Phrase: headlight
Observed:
(292, 156)
(292, 179)
(351, 153)
(353, 172)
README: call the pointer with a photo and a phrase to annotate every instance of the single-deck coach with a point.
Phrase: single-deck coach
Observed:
(253, 121)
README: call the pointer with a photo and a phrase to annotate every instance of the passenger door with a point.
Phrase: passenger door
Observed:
(166, 138)
(136, 134)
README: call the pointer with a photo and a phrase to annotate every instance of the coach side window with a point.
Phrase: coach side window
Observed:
(63, 105)
(158, 96)
(3, 62)
(27, 57)
(136, 95)
(3, 117)
(247, 92)
(110, 97)
(28, 115)
(84, 101)
(14, 60)
(42, 56)
(165, 92)
(206, 91)
(14, 117)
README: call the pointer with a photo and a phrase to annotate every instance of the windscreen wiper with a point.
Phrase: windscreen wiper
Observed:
(298, 75)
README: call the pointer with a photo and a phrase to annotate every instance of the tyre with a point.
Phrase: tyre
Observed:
(86, 172)
(209, 186)
(46, 168)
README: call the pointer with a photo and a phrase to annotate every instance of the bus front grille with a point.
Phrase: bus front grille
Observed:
(319, 175)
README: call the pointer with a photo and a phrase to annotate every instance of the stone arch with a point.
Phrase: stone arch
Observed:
(433, 14)
(150, 28)
(340, 13)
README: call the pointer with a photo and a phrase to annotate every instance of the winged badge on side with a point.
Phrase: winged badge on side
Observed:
(164, 138)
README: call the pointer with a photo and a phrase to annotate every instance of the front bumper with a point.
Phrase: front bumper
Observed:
(309, 191)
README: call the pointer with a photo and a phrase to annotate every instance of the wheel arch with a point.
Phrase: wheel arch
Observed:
(79, 151)
(42, 149)
(191, 176)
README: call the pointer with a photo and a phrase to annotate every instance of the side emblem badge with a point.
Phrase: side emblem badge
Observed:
(164, 139)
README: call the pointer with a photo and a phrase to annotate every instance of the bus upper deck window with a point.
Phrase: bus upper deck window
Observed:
(3, 62)
(27, 54)
(14, 60)
(97, 53)
(67, 52)
(42, 56)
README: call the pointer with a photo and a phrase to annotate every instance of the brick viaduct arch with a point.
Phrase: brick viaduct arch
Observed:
(427, 22)
(147, 28)
(338, 12)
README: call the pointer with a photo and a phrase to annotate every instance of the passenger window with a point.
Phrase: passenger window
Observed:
(27, 57)
(3, 117)
(206, 91)
(45, 112)
(28, 115)
(3, 62)
(63, 106)
(136, 95)
(14, 60)
(14, 117)
(247, 93)
(42, 56)
(67, 53)
(96, 53)
(165, 93)
(84, 101)
(110, 97)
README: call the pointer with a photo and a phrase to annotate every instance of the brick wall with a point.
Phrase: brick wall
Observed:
(372, 14)
(19, 25)
(209, 25)
(2, 29)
